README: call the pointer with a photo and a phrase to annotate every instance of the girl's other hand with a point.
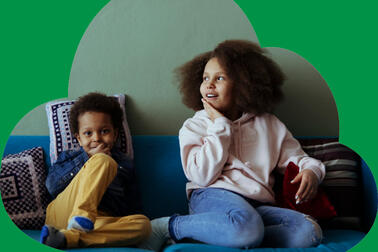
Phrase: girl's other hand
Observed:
(211, 111)
(308, 187)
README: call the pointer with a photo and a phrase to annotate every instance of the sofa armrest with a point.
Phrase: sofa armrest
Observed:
(370, 200)
(20, 143)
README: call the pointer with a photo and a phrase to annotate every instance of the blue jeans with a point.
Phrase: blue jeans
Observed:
(223, 218)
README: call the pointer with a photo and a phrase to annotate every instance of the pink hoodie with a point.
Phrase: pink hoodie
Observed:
(240, 156)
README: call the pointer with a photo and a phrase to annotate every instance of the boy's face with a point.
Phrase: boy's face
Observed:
(96, 132)
(216, 87)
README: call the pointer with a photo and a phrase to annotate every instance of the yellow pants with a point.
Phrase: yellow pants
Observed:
(81, 198)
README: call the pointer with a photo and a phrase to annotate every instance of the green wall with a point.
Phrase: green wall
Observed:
(132, 47)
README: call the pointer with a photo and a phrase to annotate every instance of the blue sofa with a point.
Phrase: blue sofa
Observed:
(162, 185)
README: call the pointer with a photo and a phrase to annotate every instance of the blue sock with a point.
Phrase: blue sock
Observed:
(44, 234)
(80, 223)
(52, 237)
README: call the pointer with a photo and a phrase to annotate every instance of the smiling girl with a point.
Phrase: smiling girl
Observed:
(229, 150)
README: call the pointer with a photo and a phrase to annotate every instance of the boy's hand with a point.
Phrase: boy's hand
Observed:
(308, 187)
(211, 111)
(101, 148)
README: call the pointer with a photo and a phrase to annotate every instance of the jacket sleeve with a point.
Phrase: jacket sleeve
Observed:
(204, 151)
(64, 170)
(291, 151)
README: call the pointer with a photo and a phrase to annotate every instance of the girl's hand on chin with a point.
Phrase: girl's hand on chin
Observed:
(211, 111)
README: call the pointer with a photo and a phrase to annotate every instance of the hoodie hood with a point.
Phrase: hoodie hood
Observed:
(244, 118)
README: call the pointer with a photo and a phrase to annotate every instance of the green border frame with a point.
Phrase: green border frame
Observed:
(39, 40)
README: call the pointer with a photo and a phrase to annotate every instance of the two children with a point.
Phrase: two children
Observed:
(229, 150)
(94, 187)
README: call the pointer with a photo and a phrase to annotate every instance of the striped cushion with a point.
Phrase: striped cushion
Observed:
(342, 182)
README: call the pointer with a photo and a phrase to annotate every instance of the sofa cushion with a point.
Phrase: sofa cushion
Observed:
(22, 184)
(160, 175)
(342, 182)
(62, 139)
(334, 240)
(35, 234)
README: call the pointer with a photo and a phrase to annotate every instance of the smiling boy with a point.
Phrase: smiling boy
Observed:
(94, 187)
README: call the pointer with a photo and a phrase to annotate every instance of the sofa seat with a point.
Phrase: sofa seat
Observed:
(162, 185)
(35, 234)
(334, 240)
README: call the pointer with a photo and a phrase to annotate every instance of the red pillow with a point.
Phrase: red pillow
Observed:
(320, 207)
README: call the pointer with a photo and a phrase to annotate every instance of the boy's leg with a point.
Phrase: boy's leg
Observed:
(219, 217)
(111, 231)
(82, 196)
(286, 228)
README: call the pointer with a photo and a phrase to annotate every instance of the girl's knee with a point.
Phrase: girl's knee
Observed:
(246, 229)
(309, 234)
(315, 231)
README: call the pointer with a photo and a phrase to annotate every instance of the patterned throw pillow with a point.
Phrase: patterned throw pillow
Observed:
(342, 182)
(61, 138)
(23, 191)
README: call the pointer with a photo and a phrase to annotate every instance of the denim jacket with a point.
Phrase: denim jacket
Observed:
(121, 197)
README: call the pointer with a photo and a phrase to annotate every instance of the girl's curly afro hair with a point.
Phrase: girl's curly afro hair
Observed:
(256, 78)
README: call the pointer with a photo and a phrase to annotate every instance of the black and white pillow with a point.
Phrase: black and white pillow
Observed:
(23, 191)
(61, 138)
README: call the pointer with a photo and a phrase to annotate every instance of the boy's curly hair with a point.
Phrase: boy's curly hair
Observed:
(96, 102)
(256, 79)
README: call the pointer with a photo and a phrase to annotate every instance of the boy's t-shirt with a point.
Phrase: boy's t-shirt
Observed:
(121, 197)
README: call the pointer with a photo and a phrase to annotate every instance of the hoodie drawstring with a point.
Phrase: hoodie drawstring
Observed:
(240, 140)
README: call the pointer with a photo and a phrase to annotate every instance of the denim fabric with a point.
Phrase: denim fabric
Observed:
(64, 170)
(223, 218)
(121, 197)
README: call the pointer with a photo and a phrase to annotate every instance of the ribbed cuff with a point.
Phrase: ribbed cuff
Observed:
(170, 227)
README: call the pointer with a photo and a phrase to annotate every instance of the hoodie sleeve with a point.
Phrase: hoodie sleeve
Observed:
(291, 151)
(204, 148)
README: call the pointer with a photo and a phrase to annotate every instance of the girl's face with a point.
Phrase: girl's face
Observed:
(216, 87)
